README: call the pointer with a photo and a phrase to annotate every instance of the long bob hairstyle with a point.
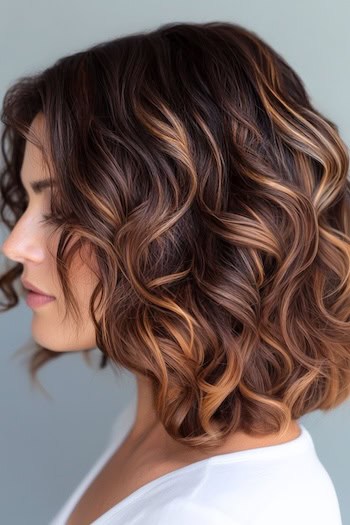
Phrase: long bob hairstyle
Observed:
(215, 200)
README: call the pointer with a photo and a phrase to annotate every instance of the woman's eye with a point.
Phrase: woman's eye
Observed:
(53, 217)
(47, 217)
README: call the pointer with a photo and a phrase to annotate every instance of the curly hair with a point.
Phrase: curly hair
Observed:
(215, 200)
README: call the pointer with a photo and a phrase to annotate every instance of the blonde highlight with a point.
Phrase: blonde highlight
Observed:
(215, 200)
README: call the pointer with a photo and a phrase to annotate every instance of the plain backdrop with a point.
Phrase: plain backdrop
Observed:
(47, 445)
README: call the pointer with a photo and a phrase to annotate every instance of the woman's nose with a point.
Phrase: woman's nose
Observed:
(21, 245)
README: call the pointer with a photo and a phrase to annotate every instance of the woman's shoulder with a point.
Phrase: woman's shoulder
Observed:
(256, 486)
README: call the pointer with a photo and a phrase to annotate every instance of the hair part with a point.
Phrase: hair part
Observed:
(215, 200)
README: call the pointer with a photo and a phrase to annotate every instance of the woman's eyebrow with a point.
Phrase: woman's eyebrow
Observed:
(39, 185)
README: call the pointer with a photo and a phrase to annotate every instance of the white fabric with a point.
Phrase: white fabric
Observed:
(280, 484)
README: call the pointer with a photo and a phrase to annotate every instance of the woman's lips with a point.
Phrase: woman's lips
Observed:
(35, 300)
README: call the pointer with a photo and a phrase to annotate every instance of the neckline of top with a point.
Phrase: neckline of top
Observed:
(302, 441)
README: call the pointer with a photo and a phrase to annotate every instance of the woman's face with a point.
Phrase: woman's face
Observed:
(30, 243)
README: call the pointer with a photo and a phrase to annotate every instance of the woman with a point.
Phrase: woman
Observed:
(194, 226)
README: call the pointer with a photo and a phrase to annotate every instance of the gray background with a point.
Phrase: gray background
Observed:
(47, 445)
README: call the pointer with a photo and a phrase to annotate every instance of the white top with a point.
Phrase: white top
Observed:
(283, 483)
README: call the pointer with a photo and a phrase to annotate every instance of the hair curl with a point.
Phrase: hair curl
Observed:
(215, 199)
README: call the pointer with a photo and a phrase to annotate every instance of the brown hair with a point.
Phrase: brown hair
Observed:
(215, 199)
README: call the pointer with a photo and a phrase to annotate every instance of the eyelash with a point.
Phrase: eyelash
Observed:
(48, 219)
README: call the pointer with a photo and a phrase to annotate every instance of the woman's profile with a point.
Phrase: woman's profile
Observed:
(175, 200)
